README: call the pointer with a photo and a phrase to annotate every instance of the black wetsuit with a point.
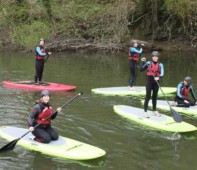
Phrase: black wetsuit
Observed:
(151, 84)
(44, 132)
(39, 63)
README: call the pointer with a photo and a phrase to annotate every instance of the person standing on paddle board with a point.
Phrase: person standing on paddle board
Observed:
(40, 60)
(44, 132)
(183, 90)
(154, 71)
(134, 56)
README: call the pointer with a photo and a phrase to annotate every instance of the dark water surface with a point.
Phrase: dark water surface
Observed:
(90, 118)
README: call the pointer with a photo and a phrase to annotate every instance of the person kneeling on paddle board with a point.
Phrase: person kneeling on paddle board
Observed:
(154, 71)
(183, 90)
(44, 132)
(40, 60)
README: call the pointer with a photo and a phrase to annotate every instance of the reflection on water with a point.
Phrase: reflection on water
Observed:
(90, 118)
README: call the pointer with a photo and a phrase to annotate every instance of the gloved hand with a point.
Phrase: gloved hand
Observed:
(143, 59)
(156, 78)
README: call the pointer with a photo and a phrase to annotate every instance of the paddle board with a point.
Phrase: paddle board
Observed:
(162, 104)
(161, 123)
(63, 147)
(29, 85)
(123, 91)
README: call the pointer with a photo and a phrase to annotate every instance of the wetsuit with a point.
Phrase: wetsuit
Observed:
(39, 63)
(44, 132)
(134, 56)
(153, 69)
(182, 94)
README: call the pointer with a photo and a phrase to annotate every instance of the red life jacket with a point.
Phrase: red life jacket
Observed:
(133, 56)
(38, 57)
(46, 112)
(153, 70)
(184, 92)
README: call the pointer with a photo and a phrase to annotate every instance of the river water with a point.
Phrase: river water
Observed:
(90, 118)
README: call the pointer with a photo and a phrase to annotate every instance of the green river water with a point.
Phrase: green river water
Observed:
(91, 118)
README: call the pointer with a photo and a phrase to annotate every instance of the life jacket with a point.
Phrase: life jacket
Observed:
(133, 56)
(185, 91)
(153, 70)
(38, 57)
(46, 112)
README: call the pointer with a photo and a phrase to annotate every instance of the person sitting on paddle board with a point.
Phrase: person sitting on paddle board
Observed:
(134, 56)
(183, 90)
(44, 132)
(154, 71)
(40, 60)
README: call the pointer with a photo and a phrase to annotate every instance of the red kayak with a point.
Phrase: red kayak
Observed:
(30, 85)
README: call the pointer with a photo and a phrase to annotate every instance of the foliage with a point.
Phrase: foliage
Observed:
(101, 21)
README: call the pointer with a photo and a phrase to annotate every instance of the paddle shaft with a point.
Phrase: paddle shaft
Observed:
(177, 117)
(10, 146)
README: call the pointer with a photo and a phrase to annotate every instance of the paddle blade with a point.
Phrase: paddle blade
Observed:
(176, 116)
(10, 146)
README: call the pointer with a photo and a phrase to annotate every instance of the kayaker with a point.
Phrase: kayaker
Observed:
(183, 90)
(40, 55)
(134, 56)
(42, 109)
(154, 72)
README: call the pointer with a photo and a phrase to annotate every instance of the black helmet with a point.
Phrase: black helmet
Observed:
(155, 53)
(188, 79)
(42, 39)
(45, 93)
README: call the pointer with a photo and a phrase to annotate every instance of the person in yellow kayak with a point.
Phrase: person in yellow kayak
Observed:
(40, 54)
(44, 133)
(183, 90)
(154, 72)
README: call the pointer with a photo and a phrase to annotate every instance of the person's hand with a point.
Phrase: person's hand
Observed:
(143, 59)
(156, 78)
(186, 101)
(59, 109)
(142, 44)
(31, 128)
(49, 53)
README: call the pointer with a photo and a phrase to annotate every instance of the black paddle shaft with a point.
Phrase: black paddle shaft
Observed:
(177, 117)
(10, 146)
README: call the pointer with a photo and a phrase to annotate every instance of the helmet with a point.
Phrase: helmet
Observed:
(45, 93)
(188, 79)
(155, 53)
(133, 41)
(42, 39)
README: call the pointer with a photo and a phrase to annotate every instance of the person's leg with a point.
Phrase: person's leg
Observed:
(132, 72)
(37, 71)
(53, 134)
(147, 98)
(41, 135)
(41, 70)
(154, 96)
(181, 103)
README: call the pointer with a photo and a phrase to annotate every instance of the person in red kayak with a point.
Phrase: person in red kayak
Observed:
(40, 55)
(42, 109)
(182, 93)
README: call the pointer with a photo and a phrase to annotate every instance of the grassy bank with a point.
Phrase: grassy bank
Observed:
(107, 25)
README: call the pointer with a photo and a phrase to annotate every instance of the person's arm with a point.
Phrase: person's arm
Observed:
(38, 50)
(134, 50)
(33, 114)
(179, 91)
(144, 65)
(161, 70)
(192, 93)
